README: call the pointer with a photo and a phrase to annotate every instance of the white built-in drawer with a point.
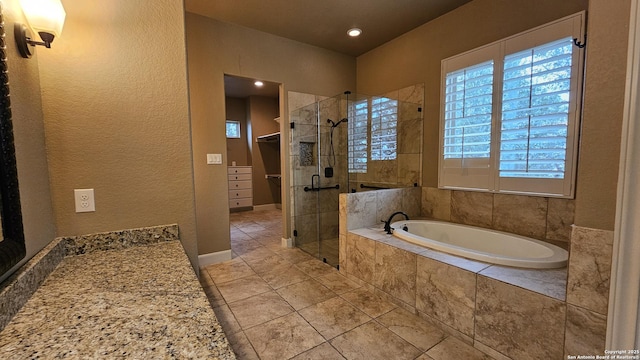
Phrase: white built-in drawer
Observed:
(239, 177)
(242, 184)
(239, 194)
(241, 202)
(239, 170)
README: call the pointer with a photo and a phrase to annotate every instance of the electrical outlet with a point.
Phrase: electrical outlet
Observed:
(85, 200)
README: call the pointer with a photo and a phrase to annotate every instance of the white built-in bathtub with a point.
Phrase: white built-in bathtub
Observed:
(486, 245)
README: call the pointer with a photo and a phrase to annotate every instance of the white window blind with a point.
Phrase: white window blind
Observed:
(358, 145)
(510, 113)
(467, 114)
(535, 111)
(384, 123)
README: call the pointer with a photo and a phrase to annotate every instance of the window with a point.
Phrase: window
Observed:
(372, 132)
(358, 136)
(510, 113)
(384, 123)
(233, 129)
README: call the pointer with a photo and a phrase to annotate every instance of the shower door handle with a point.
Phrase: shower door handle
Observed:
(313, 187)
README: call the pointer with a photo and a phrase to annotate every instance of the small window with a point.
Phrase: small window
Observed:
(233, 129)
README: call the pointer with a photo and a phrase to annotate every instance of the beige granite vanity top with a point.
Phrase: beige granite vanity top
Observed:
(141, 302)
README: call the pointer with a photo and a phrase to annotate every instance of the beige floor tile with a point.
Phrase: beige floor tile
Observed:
(227, 320)
(269, 240)
(284, 275)
(371, 304)
(283, 338)
(373, 341)
(214, 296)
(294, 255)
(238, 236)
(244, 246)
(452, 348)
(273, 246)
(205, 279)
(412, 328)
(257, 254)
(266, 263)
(243, 288)
(333, 317)
(315, 268)
(323, 351)
(259, 309)
(229, 270)
(337, 283)
(241, 346)
(305, 293)
(424, 357)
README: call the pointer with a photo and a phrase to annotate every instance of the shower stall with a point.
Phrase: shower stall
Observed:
(341, 144)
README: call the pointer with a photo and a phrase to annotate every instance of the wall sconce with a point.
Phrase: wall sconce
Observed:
(46, 17)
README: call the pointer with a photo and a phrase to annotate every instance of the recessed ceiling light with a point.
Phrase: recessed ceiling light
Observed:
(258, 83)
(354, 32)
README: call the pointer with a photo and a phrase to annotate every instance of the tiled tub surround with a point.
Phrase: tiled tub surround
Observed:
(488, 306)
(125, 302)
(541, 218)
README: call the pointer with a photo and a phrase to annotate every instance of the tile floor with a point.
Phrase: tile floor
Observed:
(279, 303)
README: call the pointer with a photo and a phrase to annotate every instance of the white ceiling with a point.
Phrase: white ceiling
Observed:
(324, 23)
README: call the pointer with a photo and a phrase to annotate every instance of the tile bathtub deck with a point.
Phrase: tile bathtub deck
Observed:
(278, 303)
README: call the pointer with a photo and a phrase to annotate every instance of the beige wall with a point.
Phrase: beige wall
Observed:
(215, 49)
(237, 149)
(28, 131)
(415, 57)
(608, 30)
(266, 156)
(115, 101)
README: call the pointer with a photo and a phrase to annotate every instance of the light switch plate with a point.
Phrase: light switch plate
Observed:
(214, 159)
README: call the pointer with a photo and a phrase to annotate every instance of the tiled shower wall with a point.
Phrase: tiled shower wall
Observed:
(406, 169)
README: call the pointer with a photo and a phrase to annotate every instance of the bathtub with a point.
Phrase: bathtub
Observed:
(485, 245)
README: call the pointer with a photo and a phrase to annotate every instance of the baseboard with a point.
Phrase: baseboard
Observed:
(288, 243)
(267, 207)
(214, 258)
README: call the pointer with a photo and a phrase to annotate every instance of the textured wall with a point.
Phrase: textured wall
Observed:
(415, 57)
(266, 156)
(215, 49)
(237, 149)
(114, 94)
(608, 30)
(31, 157)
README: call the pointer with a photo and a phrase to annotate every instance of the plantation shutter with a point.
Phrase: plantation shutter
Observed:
(539, 111)
(358, 125)
(535, 111)
(467, 107)
(384, 123)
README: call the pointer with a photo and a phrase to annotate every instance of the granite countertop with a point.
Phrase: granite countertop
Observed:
(140, 302)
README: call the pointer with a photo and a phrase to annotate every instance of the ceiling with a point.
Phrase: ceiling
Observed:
(324, 23)
(240, 87)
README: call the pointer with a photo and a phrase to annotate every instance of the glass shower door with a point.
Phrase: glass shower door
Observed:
(305, 178)
(319, 166)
